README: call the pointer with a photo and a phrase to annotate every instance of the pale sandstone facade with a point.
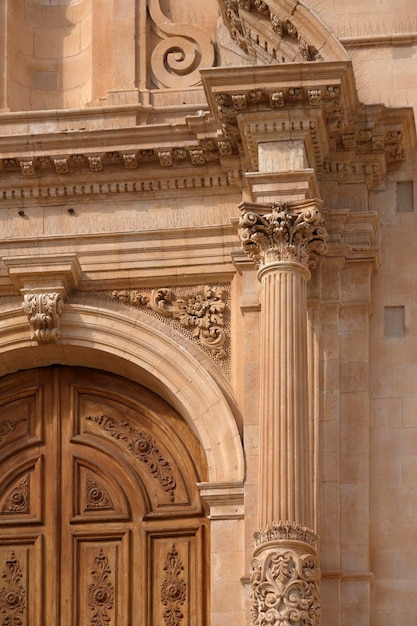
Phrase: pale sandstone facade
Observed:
(214, 201)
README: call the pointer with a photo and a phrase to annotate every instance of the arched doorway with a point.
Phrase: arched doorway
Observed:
(100, 519)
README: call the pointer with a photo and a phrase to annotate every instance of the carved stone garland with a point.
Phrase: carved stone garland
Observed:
(284, 240)
(199, 311)
(142, 447)
(173, 589)
(101, 591)
(12, 593)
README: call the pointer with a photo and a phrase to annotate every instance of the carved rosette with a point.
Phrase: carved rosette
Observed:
(43, 311)
(142, 447)
(283, 232)
(17, 499)
(12, 593)
(285, 580)
(173, 588)
(96, 497)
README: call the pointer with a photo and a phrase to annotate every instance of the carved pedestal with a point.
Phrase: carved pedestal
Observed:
(284, 241)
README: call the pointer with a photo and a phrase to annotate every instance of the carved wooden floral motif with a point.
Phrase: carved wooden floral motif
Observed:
(142, 447)
(17, 499)
(200, 311)
(12, 593)
(173, 588)
(96, 497)
(101, 591)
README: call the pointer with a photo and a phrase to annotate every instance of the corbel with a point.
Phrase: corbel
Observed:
(45, 282)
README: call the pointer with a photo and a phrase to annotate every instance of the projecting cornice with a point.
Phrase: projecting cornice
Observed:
(317, 103)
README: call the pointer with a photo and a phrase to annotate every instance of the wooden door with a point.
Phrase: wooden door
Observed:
(100, 519)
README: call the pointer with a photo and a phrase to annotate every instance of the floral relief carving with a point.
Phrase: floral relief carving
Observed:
(142, 447)
(96, 497)
(101, 591)
(173, 589)
(17, 499)
(285, 588)
(200, 311)
(43, 311)
(12, 593)
(282, 232)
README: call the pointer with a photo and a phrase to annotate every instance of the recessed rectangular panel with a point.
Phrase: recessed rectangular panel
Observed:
(101, 584)
(22, 575)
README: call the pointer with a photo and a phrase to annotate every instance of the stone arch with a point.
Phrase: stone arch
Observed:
(128, 344)
(280, 31)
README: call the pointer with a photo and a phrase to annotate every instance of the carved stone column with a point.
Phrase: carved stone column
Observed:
(284, 241)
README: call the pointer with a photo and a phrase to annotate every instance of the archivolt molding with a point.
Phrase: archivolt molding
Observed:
(95, 336)
(280, 31)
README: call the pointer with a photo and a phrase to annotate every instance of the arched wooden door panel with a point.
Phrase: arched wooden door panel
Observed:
(100, 519)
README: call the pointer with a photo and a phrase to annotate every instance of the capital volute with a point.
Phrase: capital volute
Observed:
(283, 233)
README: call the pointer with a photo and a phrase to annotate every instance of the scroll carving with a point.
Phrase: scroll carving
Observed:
(282, 232)
(200, 311)
(43, 311)
(182, 51)
(173, 589)
(142, 447)
(101, 591)
(17, 499)
(8, 426)
(12, 593)
(97, 498)
(285, 587)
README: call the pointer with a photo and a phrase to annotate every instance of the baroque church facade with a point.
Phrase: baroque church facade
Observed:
(208, 327)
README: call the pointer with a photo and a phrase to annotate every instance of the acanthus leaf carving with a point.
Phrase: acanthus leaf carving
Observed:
(283, 232)
(100, 591)
(44, 311)
(12, 593)
(285, 587)
(199, 311)
(142, 447)
(173, 588)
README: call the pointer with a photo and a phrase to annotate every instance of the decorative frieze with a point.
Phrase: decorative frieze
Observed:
(282, 232)
(284, 531)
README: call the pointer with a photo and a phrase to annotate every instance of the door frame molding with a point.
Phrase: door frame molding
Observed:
(133, 345)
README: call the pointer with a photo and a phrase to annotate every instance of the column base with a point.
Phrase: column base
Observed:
(285, 580)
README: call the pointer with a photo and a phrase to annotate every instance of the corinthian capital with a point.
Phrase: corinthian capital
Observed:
(286, 232)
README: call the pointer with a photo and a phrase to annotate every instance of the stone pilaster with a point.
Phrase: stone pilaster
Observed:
(284, 241)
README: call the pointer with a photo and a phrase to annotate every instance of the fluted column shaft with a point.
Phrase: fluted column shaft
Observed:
(284, 481)
(284, 241)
